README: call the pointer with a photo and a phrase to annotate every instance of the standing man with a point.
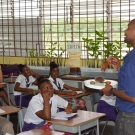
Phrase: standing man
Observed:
(125, 101)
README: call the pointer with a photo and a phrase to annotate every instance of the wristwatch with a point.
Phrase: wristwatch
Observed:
(111, 90)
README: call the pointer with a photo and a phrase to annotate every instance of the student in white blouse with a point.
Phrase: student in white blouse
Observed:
(59, 86)
(44, 105)
(22, 84)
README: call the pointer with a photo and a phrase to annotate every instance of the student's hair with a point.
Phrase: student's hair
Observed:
(53, 65)
(41, 80)
(21, 67)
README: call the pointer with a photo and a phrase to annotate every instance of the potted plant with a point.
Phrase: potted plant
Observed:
(93, 50)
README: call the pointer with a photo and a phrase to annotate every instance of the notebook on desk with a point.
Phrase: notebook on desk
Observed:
(63, 116)
(2, 111)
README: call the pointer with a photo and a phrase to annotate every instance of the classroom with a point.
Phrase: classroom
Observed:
(67, 67)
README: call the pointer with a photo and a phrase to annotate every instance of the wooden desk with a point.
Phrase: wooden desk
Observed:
(82, 121)
(76, 96)
(9, 110)
(40, 132)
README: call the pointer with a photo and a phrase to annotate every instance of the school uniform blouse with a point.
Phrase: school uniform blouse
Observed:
(58, 85)
(23, 82)
(36, 104)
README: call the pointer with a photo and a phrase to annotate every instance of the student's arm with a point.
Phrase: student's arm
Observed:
(69, 93)
(33, 73)
(119, 93)
(1, 75)
(71, 109)
(25, 90)
(62, 103)
(73, 88)
(46, 112)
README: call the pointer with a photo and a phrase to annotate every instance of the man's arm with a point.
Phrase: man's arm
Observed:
(119, 93)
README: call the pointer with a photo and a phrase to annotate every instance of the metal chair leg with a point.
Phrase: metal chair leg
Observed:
(104, 127)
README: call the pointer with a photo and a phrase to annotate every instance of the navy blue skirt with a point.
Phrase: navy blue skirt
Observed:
(110, 111)
(25, 100)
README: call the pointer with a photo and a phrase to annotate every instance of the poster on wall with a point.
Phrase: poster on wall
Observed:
(74, 59)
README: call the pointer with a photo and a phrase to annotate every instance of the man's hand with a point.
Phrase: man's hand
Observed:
(114, 62)
(106, 90)
(111, 61)
(104, 66)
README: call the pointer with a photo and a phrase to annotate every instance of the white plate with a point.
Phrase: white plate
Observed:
(101, 86)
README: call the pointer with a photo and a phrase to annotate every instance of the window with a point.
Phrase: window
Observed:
(45, 24)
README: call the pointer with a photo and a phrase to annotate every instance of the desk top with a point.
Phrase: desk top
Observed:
(40, 132)
(76, 96)
(9, 110)
(81, 118)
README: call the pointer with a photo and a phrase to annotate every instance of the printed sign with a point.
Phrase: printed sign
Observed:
(74, 47)
(74, 59)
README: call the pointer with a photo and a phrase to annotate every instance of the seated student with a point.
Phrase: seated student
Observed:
(43, 105)
(22, 84)
(59, 85)
(6, 127)
(107, 103)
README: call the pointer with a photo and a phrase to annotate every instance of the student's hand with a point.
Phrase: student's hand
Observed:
(84, 91)
(30, 91)
(68, 109)
(47, 94)
(72, 93)
(106, 90)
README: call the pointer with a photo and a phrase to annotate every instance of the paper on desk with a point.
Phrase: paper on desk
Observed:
(27, 133)
(34, 87)
(63, 116)
(2, 111)
(78, 92)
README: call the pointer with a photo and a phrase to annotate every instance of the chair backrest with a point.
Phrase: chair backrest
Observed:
(95, 98)
(10, 92)
(21, 115)
(11, 87)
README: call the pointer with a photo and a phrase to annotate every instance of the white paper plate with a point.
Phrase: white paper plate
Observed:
(99, 86)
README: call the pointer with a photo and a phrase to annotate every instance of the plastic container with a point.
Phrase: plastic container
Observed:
(93, 72)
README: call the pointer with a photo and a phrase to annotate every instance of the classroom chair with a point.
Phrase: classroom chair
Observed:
(10, 92)
(95, 98)
(21, 115)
